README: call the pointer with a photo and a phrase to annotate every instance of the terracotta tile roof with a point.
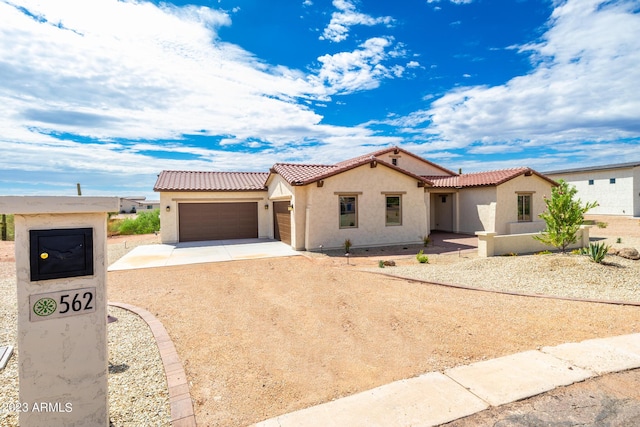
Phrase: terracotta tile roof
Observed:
(396, 149)
(297, 174)
(480, 179)
(210, 181)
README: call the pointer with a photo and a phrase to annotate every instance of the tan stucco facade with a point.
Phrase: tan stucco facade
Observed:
(313, 197)
(412, 164)
(370, 186)
(478, 208)
(507, 203)
(490, 208)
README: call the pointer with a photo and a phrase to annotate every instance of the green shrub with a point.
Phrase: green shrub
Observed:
(563, 217)
(145, 223)
(545, 252)
(619, 240)
(381, 264)
(422, 258)
(602, 224)
(596, 251)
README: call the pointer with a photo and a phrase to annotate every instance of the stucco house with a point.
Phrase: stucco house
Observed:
(616, 187)
(387, 197)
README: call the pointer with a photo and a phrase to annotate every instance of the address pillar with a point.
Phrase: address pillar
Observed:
(61, 263)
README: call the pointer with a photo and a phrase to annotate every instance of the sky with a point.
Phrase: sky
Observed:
(109, 93)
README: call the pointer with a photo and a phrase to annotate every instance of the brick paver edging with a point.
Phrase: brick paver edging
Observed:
(182, 414)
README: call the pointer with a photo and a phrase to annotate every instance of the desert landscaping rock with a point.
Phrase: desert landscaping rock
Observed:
(629, 253)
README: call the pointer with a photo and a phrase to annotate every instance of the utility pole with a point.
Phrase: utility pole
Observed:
(79, 189)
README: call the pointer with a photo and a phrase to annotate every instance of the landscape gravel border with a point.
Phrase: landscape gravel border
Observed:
(180, 401)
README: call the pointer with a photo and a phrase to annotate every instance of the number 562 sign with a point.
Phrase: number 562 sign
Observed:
(62, 304)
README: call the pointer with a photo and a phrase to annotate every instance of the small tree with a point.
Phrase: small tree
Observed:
(563, 217)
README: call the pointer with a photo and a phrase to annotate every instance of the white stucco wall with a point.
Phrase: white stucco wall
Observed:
(169, 220)
(621, 198)
(369, 184)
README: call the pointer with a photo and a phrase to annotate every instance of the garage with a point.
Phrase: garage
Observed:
(217, 221)
(282, 222)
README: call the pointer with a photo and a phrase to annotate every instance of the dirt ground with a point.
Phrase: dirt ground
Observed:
(264, 337)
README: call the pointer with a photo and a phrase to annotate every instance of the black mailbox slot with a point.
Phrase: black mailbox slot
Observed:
(60, 253)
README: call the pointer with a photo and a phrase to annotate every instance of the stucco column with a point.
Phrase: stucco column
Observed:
(427, 203)
(60, 245)
(486, 243)
(457, 212)
(584, 229)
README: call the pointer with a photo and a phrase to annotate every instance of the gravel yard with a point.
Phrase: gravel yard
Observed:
(137, 386)
(265, 337)
(617, 280)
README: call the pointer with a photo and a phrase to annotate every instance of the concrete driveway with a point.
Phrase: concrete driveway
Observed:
(163, 255)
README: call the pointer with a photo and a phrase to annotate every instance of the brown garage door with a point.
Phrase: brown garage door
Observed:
(282, 222)
(217, 221)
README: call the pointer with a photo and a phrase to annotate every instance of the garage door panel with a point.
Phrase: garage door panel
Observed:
(282, 222)
(218, 221)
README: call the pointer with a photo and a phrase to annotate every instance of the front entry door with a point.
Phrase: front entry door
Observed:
(443, 207)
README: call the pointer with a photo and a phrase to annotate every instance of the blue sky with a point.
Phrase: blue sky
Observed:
(109, 93)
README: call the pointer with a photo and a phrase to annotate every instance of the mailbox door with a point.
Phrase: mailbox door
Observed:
(60, 253)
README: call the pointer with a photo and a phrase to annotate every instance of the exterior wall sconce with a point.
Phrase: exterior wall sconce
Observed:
(290, 208)
(266, 206)
(168, 208)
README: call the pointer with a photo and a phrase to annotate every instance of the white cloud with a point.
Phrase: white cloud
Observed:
(347, 16)
(451, 1)
(79, 78)
(362, 69)
(584, 86)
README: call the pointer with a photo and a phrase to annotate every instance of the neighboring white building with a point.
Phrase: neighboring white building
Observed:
(615, 187)
(135, 204)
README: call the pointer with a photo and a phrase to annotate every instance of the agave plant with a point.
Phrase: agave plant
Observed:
(597, 251)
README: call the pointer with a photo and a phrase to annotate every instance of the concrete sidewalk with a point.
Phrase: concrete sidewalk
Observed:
(436, 398)
(163, 255)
